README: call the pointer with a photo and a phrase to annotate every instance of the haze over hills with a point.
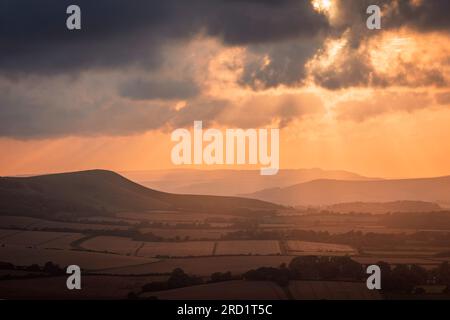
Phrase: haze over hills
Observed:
(104, 192)
(328, 192)
(230, 182)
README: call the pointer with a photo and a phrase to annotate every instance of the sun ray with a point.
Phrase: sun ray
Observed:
(322, 5)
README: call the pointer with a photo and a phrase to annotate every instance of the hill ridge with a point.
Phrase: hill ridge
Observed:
(103, 191)
(330, 191)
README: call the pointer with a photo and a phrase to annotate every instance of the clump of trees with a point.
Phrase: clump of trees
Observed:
(177, 279)
(325, 268)
(281, 275)
(398, 278)
(403, 278)
(310, 268)
(48, 269)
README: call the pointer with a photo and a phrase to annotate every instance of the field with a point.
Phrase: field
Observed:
(59, 240)
(37, 224)
(248, 247)
(426, 263)
(265, 290)
(190, 234)
(107, 220)
(229, 290)
(204, 266)
(174, 216)
(93, 287)
(4, 233)
(18, 273)
(127, 246)
(340, 228)
(17, 222)
(177, 249)
(331, 290)
(22, 256)
(401, 253)
(111, 244)
(62, 242)
(114, 264)
(295, 246)
(335, 223)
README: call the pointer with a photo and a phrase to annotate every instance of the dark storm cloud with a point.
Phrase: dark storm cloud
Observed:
(117, 32)
(354, 71)
(122, 35)
(144, 89)
(279, 64)
(280, 37)
(426, 15)
(429, 15)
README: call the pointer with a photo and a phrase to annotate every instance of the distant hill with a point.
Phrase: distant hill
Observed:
(103, 192)
(328, 192)
(230, 182)
(384, 207)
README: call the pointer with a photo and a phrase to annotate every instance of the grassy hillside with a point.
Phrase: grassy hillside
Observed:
(105, 192)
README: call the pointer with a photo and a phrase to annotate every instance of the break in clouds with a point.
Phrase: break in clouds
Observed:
(143, 65)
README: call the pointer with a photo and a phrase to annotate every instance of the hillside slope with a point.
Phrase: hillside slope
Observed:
(103, 192)
(327, 192)
(231, 182)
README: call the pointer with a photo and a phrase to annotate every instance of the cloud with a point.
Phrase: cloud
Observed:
(264, 110)
(206, 110)
(351, 68)
(32, 110)
(117, 33)
(147, 89)
(421, 15)
(380, 103)
(128, 68)
(443, 98)
(393, 56)
(272, 65)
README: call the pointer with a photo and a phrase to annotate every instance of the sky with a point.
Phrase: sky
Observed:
(375, 102)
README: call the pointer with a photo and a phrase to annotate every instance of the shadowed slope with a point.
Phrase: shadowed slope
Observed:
(100, 191)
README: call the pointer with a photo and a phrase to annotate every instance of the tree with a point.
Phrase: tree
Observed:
(179, 278)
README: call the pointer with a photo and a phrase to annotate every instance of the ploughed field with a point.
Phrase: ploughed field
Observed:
(177, 235)
(120, 254)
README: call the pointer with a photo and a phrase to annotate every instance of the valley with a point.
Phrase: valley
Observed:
(205, 237)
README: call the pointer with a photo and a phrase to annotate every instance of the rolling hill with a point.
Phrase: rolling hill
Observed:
(230, 182)
(105, 192)
(328, 192)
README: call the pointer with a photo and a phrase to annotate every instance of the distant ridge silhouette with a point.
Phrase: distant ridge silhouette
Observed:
(101, 192)
(327, 192)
